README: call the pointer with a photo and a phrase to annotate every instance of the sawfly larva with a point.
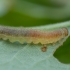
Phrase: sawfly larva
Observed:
(34, 36)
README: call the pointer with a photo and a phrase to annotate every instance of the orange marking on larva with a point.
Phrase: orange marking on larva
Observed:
(35, 36)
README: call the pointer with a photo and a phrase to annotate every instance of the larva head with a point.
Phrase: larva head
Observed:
(65, 31)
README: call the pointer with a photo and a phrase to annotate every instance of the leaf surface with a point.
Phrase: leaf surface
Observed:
(15, 56)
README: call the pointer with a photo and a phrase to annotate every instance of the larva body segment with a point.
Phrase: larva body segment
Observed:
(35, 36)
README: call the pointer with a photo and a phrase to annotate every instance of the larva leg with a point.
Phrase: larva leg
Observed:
(44, 48)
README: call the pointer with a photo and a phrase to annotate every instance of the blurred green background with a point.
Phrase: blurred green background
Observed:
(29, 13)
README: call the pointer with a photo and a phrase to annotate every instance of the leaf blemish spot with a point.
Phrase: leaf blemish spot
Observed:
(44, 48)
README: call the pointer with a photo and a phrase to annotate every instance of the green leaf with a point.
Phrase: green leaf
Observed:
(15, 56)
(5, 6)
(33, 12)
